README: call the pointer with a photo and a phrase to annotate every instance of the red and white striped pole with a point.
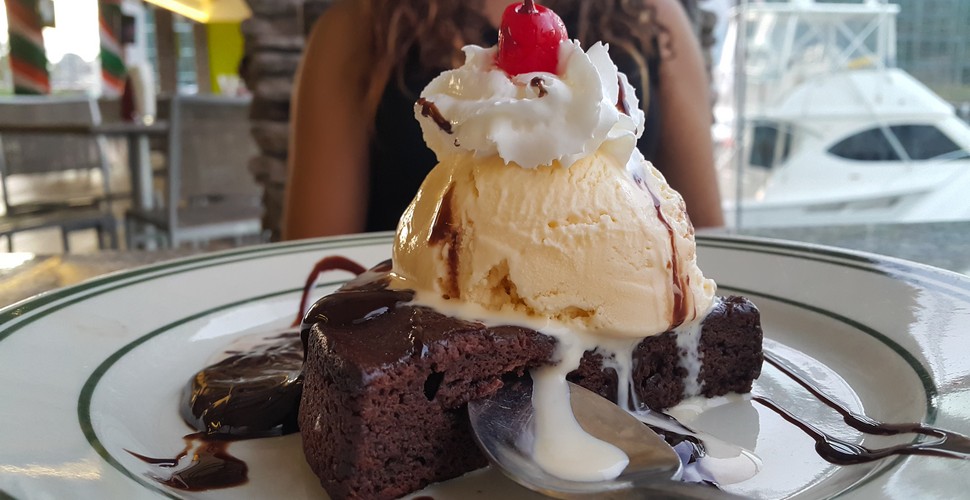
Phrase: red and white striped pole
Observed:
(28, 59)
(112, 53)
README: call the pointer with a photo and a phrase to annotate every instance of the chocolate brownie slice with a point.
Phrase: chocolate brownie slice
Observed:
(386, 382)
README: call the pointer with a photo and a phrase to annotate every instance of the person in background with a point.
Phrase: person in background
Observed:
(357, 155)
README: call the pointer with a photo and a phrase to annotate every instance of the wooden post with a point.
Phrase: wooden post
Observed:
(202, 73)
(167, 52)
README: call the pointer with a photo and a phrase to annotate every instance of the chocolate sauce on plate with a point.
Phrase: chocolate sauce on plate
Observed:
(837, 451)
(256, 392)
(211, 466)
(252, 393)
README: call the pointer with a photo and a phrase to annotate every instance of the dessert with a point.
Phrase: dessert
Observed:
(383, 411)
(541, 244)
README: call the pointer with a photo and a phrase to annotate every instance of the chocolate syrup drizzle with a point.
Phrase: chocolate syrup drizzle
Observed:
(430, 110)
(367, 298)
(621, 98)
(446, 230)
(540, 85)
(332, 263)
(837, 451)
(680, 283)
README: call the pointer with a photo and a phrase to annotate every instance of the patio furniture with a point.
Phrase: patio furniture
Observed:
(209, 193)
(54, 171)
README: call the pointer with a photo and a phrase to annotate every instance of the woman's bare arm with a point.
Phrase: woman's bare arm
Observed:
(686, 149)
(326, 190)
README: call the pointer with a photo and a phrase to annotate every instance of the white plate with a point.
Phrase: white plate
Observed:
(96, 369)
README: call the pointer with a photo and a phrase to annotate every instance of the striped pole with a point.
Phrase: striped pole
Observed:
(28, 60)
(112, 58)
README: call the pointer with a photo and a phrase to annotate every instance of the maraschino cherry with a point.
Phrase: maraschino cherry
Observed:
(529, 39)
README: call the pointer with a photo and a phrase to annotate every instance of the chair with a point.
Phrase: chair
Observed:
(209, 192)
(53, 171)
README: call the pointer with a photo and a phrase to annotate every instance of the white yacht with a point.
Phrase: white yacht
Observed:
(832, 131)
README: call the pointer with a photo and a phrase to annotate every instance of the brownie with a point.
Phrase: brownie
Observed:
(386, 383)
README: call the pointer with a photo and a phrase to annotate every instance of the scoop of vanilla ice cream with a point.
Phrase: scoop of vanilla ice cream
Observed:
(582, 246)
(542, 208)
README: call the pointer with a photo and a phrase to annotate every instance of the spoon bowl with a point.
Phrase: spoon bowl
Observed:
(503, 426)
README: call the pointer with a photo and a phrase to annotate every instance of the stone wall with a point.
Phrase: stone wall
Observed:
(274, 41)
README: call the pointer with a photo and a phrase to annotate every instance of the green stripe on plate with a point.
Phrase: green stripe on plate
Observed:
(71, 295)
(911, 272)
(871, 263)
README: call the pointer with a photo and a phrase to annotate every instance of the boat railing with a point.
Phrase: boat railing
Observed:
(789, 43)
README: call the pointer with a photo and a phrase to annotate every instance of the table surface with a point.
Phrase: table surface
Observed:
(107, 128)
(945, 245)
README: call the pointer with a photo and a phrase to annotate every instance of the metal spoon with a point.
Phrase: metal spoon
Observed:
(503, 427)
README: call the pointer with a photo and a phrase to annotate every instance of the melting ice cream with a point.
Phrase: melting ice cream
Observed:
(542, 213)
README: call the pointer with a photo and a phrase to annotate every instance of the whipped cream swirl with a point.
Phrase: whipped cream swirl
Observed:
(532, 119)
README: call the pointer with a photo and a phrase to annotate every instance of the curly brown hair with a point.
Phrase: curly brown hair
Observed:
(438, 29)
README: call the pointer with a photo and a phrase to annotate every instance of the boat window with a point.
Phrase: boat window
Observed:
(868, 145)
(770, 144)
(925, 142)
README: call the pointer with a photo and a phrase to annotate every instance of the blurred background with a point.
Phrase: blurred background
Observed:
(164, 123)
(842, 112)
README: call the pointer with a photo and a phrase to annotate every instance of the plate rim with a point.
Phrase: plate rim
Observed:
(18, 315)
(866, 261)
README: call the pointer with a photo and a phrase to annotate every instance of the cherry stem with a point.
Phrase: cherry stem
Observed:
(529, 7)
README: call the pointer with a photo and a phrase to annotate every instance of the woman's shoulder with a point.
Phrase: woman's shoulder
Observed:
(341, 18)
(345, 10)
(665, 8)
(339, 44)
(671, 16)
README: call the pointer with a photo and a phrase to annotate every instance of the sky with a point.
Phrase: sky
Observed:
(76, 31)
